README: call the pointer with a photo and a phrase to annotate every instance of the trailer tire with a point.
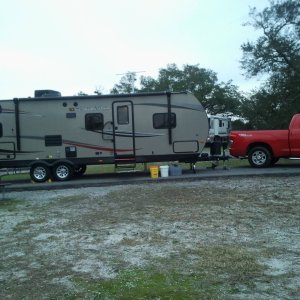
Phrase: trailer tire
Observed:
(79, 170)
(259, 157)
(63, 171)
(40, 172)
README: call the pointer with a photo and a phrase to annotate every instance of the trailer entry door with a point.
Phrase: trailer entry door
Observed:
(124, 136)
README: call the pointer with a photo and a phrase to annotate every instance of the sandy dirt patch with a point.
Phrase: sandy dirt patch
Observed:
(52, 240)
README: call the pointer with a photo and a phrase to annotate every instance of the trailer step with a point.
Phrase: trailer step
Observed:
(124, 167)
(128, 163)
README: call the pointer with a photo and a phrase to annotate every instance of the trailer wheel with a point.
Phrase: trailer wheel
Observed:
(79, 170)
(259, 157)
(63, 172)
(39, 173)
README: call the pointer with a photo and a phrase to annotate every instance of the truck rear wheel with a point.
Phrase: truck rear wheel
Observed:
(274, 161)
(63, 172)
(39, 173)
(259, 157)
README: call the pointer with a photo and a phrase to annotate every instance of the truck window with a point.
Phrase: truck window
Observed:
(123, 115)
(94, 121)
(161, 121)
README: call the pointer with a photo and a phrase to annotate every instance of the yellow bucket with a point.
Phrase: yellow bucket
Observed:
(154, 171)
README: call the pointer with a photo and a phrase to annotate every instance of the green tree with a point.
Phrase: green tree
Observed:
(81, 93)
(126, 84)
(277, 54)
(215, 97)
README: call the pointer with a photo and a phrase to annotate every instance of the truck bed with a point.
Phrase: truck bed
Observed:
(277, 139)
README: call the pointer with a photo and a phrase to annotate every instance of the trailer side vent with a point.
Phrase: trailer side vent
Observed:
(53, 140)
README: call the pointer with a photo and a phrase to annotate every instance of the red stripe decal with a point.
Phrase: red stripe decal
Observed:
(89, 146)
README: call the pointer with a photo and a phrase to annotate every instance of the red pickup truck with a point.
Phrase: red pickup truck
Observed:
(264, 147)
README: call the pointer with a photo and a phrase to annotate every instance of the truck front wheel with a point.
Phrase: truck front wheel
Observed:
(259, 157)
(39, 172)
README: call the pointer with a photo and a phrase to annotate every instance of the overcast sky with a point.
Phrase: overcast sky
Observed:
(78, 45)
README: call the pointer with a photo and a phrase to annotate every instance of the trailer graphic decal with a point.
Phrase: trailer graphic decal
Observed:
(183, 106)
(7, 151)
(95, 147)
(67, 142)
(12, 111)
(130, 134)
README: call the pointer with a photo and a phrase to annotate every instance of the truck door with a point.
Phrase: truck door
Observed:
(294, 137)
(123, 128)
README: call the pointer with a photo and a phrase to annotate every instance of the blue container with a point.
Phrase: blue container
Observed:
(175, 171)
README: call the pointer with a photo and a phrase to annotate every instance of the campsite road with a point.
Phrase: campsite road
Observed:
(284, 168)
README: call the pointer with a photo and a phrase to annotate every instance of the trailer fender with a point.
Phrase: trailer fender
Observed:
(63, 161)
(38, 162)
(52, 164)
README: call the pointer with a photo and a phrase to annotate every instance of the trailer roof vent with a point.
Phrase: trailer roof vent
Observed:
(46, 93)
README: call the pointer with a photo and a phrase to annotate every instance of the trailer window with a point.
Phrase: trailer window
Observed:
(1, 130)
(94, 121)
(161, 121)
(123, 115)
(53, 140)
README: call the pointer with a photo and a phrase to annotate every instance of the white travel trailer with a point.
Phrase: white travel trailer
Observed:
(219, 128)
(57, 137)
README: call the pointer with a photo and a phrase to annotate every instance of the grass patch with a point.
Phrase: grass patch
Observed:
(235, 264)
(70, 200)
(216, 272)
(27, 224)
(97, 169)
(14, 177)
(148, 283)
(10, 205)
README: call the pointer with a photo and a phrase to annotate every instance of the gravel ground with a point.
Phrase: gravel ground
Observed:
(50, 238)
